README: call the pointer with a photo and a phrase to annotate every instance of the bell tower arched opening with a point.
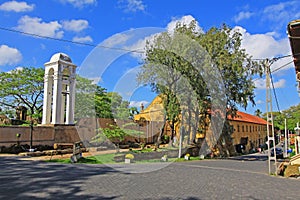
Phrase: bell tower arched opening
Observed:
(59, 90)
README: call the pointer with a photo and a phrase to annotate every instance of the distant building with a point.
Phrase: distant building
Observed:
(247, 130)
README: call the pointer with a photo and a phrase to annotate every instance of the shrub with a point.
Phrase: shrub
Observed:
(129, 156)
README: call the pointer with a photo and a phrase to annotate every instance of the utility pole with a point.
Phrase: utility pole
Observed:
(285, 139)
(181, 135)
(270, 133)
(297, 148)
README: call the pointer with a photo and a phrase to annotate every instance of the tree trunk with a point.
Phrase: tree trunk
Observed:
(162, 130)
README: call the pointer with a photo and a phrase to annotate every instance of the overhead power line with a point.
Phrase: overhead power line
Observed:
(277, 69)
(273, 59)
(101, 46)
(70, 41)
(274, 91)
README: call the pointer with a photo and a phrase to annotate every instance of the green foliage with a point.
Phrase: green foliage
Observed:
(23, 87)
(85, 98)
(258, 113)
(94, 101)
(103, 104)
(98, 159)
(142, 150)
(119, 107)
(115, 134)
(112, 133)
(292, 115)
(236, 67)
(133, 133)
(168, 73)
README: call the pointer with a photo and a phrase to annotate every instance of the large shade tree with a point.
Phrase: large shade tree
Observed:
(220, 47)
(94, 101)
(23, 87)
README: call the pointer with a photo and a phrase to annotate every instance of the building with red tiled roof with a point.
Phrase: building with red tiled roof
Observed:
(245, 117)
(248, 130)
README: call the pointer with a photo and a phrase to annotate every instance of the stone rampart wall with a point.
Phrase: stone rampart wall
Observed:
(41, 135)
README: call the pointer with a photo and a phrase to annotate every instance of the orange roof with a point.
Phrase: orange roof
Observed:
(244, 117)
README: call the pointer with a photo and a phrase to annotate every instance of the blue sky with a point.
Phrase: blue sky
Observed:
(110, 22)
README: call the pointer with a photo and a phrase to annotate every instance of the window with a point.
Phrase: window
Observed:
(232, 128)
(238, 128)
(246, 128)
(243, 129)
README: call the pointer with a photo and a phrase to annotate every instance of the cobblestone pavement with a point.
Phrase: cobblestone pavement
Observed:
(206, 179)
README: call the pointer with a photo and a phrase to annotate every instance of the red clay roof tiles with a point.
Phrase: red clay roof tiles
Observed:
(244, 117)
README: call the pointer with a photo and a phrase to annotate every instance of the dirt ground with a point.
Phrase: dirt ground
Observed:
(90, 152)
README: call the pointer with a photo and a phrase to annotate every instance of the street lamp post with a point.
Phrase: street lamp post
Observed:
(297, 129)
(285, 140)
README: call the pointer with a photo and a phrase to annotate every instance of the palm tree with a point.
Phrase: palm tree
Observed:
(258, 112)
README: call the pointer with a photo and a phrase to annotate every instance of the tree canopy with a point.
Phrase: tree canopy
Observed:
(94, 101)
(23, 87)
(201, 68)
(292, 115)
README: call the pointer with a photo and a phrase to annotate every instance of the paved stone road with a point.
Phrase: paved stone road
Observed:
(241, 178)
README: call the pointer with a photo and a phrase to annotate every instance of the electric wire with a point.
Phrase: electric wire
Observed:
(70, 41)
(275, 70)
(103, 46)
(142, 51)
(274, 91)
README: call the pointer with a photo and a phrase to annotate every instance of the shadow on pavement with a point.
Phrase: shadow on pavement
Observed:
(21, 179)
(251, 157)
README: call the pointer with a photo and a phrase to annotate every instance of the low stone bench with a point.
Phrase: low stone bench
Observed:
(63, 146)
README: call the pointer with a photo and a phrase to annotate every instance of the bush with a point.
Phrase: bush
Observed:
(129, 156)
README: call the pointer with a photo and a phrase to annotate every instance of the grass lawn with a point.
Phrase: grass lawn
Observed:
(109, 159)
(98, 159)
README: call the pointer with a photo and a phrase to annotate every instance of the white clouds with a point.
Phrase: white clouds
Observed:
(19, 68)
(138, 103)
(132, 5)
(140, 44)
(259, 102)
(280, 83)
(75, 25)
(242, 15)
(264, 45)
(187, 19)
(275, 16)
(261, 84)
(117, 39)
(16, 69)
(9, 56)
(80, 3)
(282, 12)
(35, 25)
(82, 39)
(16, 6)
(95, 80)
(53, 29)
